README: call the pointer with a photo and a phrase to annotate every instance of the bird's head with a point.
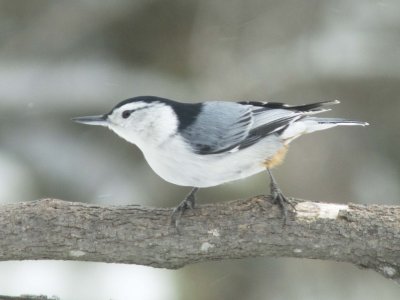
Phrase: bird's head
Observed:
(141, 120)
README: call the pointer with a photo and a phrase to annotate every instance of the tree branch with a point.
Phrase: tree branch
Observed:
(367, 236)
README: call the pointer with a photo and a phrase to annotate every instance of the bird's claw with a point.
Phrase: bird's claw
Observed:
(279, 198)
(187, 203)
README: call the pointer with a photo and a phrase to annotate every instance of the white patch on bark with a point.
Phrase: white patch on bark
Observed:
(77, 253)
(297, 250)
(214, 232)
(312, 210)
(206, 246)
(389, 271)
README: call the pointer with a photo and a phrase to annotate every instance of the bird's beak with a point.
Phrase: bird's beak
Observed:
(100, 120)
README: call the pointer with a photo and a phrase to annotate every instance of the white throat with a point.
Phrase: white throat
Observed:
(149, 127)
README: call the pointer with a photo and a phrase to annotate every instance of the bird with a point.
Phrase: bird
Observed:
(210, 143)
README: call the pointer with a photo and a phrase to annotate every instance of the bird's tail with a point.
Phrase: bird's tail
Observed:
(315, 124)
(316, 107)
(311, 124)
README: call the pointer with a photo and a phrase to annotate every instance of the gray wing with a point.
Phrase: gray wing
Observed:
(230, 126)
(219, 127)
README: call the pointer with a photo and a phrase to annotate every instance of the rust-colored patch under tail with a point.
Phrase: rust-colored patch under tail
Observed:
(277, 158)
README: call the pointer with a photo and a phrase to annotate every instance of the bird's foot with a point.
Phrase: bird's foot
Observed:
(279, 198)
(188, 203)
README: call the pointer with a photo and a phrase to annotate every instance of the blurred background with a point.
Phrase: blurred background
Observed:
(60, 59)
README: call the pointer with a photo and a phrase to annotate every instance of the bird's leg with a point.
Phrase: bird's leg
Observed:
(278, 197)
(188, 202)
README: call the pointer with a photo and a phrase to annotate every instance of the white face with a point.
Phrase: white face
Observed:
(144, 124)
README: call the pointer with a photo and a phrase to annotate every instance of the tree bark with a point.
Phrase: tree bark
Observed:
(367, 236)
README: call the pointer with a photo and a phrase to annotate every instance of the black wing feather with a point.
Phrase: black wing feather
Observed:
(248, 123)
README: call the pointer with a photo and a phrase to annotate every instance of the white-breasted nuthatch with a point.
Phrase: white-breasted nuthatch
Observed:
(209, 143)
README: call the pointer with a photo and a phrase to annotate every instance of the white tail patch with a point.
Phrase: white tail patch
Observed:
(311, 124)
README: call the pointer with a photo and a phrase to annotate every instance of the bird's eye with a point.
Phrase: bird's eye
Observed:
(126, 114)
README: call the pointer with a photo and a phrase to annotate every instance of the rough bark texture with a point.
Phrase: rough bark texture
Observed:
(367, 236)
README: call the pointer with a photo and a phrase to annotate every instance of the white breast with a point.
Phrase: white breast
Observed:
(176, 163)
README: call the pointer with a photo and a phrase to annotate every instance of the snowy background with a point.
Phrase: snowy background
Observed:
(61, 59)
